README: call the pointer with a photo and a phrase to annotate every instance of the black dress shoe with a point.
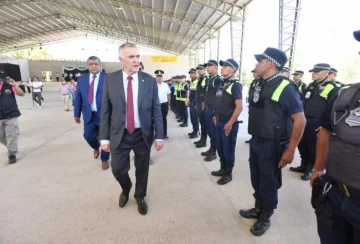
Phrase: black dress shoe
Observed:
(193, 136)
(124, 197)
(307, 174)
(227, 177)
(189, 134)
(207, 153)
(252, 213)
(142, 206)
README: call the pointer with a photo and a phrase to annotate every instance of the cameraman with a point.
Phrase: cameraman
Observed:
(9, 113)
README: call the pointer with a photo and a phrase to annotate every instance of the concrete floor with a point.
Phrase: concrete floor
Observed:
(58, 194)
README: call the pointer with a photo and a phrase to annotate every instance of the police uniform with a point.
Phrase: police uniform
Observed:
(337, 83)
(286, 70)
(336, 195)
(252, 86)
(315, 98)
(9, 113)
(193, 115)
(183, 89)
(224, 110)
(300, 84)
(214, 85)
(274, 101)
(200, 99)
(163, 92)
(173, 97)
(179, 116)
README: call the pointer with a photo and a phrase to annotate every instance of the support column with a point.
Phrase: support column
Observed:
(289, 13)
(237, 27)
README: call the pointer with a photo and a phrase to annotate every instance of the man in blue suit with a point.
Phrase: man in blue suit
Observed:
(88, 100)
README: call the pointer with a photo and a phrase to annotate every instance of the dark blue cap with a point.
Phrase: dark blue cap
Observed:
(159, 72)
(333, 70)
(200, 66)
(357, 35)
(285, 69)
(192, 71)
(276, 56)
(211, 62)
(182, 76)
(298, 72)
(320, 67)
(230, 62)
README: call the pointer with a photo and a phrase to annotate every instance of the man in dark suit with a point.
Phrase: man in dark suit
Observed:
(88, 100)
(130, 113)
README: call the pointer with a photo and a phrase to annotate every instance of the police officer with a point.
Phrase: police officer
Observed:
(9, 113)
(252, 89)
(179, 116)
(332, 77)
(172, 95)
(316, 96)
(214, 85)
(200, 108)
(193, 115)
(286, 72)
(297, 77)
(276, 123)
(227, 110)
(183, 100)
(336, 195)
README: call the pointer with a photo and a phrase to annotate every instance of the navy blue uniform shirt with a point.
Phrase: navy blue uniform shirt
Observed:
(325, 119)
(236, 91)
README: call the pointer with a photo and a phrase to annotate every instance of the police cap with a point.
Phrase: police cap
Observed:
(333, 70)
(159, 72)
(298, 72)
(276, 56)
(320, 67)
(200, 66)
(286, 69)
(357, 35)
(211, 62)
(192, 70)
(230, 62)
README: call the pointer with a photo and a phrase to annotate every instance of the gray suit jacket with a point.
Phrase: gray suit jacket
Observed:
(113, 109)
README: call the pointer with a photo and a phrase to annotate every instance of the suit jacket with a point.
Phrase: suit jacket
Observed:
(81, 97)
(113, 114)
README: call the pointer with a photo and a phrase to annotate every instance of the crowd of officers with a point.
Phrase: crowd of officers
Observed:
(284, 114)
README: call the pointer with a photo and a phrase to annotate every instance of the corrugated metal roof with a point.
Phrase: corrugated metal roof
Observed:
(168, 25)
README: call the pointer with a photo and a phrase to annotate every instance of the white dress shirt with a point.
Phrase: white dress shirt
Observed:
(163, 91)
(37, 86)
(135, 91)
(96, 83)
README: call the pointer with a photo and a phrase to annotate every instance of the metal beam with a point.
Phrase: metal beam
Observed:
(289, 13)
(237, 39)
(203, 28)
(229, 11)
(27, 20)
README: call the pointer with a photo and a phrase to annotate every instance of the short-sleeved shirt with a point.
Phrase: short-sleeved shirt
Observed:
(236, 91)
(290, 100)
(325, 118)
(163, 92)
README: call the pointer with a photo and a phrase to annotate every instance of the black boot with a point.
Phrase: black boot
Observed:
(180, 120)
(184, 124)
(220, 172)
(308, 172)
(193, 132)
(207, 153)
(227, 177)
(299, 169)
(193, 136)
(201, 144)
(211, 156)
(252, 213)
(197, 142)
(12, 159)
(262, 224)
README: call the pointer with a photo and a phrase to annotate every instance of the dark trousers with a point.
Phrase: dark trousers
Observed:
(173, 102)
(37, 97)
(91, 134)
(264, 172)
(120, 162)
(183, 111)
(211, 129)
(164, 112)
(202, 119)
(307, 145)
(347, 214)
(178, 106)
(225, 145)
(193, 116)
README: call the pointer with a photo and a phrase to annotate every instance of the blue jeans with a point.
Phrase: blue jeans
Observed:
(211, 129)
(91, 133)
(73, 97)
(225, 145)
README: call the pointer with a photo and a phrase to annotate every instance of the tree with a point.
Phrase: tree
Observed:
(32, 53)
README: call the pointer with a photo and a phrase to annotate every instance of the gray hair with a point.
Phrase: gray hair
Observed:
(127, 44)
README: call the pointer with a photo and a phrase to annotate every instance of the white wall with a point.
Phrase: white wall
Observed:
(24, 66)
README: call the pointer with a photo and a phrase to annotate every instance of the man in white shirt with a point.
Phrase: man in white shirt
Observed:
(37, 85)
(164, 98)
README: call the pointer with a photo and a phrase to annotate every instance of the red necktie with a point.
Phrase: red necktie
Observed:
(91, 91)
(130, 107)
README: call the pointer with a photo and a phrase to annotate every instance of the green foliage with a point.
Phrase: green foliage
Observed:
(349, 72)
(33, 53)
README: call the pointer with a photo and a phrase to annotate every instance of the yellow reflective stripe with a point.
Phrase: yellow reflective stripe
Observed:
(203, 82)
(327, 90)
(277, 93)
(228, 90)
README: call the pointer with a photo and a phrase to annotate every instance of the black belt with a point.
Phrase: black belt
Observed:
(349, 191)
(262, 139)
(94, 112)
